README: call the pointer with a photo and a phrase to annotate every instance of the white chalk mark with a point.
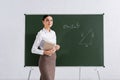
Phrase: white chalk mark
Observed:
(71, 26)
(89, 36)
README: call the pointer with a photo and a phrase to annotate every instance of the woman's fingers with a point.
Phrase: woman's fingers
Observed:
(50, 52)
(57, 47)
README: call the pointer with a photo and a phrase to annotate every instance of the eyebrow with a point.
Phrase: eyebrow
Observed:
(49, 19)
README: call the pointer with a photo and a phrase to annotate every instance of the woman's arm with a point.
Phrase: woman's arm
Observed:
(37, 44)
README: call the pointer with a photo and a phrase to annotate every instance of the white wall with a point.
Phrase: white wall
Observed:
(12, 34)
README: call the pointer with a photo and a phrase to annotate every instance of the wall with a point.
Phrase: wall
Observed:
(12, 37)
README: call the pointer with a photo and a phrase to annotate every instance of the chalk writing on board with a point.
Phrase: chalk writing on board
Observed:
(87, 38)
(71, 26)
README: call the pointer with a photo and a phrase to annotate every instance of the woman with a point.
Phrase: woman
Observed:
(47, 60)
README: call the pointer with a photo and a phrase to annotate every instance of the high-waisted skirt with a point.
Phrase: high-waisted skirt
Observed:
(47, 67)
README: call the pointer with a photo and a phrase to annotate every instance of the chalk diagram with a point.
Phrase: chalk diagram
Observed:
(87, 38)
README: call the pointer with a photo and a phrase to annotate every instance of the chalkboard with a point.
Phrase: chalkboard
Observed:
(80, 37)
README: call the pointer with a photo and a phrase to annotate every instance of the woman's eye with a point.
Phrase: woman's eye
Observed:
(47, 20)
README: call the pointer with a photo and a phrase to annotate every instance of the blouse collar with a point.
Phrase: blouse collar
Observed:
(46, 30)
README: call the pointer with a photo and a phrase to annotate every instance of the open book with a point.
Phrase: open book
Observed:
(47, 45)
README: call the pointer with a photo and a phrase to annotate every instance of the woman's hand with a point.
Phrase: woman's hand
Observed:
(57, 47)
(50, 52)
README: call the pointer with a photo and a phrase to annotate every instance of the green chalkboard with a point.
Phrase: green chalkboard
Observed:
(80, 38)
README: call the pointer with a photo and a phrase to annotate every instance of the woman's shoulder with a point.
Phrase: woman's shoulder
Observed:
(52, 31)
(39, 32)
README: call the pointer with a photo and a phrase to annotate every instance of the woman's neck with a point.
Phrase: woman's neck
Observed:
(48, 29)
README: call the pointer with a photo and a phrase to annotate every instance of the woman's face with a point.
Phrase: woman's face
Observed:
(48, 22)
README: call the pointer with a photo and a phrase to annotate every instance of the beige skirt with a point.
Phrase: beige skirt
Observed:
(47, 67)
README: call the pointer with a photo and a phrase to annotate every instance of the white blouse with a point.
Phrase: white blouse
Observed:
(45, 35)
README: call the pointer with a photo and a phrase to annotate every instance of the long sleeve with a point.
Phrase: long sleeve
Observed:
(37, 44)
